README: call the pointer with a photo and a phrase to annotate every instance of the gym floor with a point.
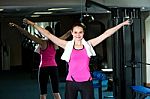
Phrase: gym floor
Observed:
(22, 85)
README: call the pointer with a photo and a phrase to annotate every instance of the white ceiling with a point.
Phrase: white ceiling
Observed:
(26, 7)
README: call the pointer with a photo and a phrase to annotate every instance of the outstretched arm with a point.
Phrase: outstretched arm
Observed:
(107, 33)
(26, 33)
(45, 32)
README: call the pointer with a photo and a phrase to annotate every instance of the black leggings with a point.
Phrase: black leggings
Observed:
(85, 88)
(44, 74)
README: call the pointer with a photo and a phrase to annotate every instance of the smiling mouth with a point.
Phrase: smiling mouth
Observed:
(77, 37)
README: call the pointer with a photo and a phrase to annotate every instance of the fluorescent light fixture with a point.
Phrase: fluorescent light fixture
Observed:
(42, 12)
(53, 9)
(143, 8)
(108, 11)
(1, 9)
(35, 15)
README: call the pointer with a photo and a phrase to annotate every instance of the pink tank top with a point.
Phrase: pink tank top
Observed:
(48, 56)
(79, 66)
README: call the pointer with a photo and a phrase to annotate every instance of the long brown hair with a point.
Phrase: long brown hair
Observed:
(80, 25)
(51, 31)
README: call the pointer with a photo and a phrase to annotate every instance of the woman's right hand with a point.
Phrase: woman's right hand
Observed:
(26, 21)
(12, 24)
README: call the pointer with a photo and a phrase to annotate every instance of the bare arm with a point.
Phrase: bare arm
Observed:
(27, 34)
(45, 32)
(107, 33)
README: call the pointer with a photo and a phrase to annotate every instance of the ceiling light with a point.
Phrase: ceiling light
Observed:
(143, 8)
(108, 11)
(87, 18)
(35, 15)
(1, 9)
(53, 9)
(42, 12)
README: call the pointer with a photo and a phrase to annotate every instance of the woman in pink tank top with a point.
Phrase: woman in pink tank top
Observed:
(77, 53)
(48, 66)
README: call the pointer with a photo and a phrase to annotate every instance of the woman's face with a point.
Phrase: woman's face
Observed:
(78, 33)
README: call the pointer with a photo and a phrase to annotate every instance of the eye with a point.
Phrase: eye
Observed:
(81, 32)
(75, 32)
